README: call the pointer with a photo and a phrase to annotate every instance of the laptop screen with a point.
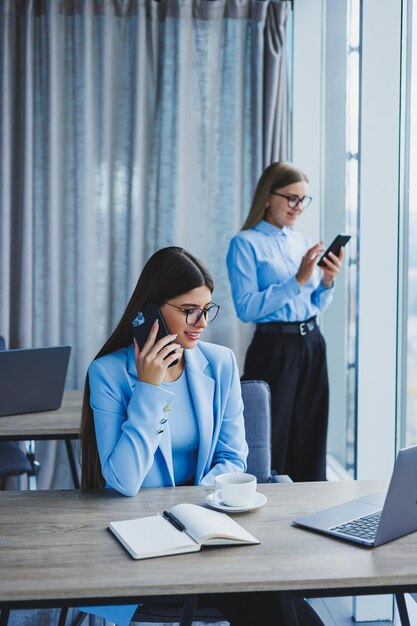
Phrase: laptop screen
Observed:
(32, 379)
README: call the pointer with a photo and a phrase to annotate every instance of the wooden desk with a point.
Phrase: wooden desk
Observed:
(61, 424)
(55, 549)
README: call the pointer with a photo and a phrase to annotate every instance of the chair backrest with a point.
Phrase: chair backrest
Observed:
(13, 460)
(256, 398)
(2, 343)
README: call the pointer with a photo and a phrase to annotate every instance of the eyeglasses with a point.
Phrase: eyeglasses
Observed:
(194, 315)
(294, 201)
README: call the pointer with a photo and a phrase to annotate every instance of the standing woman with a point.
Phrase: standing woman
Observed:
(276, 284)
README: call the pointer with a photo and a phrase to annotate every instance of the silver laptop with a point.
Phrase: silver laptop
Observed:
(32, 379)
(377, 518)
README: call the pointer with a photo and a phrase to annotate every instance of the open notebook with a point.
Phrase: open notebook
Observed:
(185, 528)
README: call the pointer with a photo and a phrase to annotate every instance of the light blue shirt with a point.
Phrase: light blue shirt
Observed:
(262, 263)
(184, 430)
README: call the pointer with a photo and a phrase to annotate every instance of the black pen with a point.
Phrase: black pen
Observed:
(173, 520)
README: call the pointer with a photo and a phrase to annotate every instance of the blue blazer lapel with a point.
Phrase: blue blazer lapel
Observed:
(165, 444)
(202, 392)
(131, 366)
(165, 449)
(202, 387)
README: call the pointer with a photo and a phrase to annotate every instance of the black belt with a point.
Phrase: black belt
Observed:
(299, 328)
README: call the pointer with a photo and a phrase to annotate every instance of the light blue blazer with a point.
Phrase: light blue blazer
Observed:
(129, 415)
(131, 419)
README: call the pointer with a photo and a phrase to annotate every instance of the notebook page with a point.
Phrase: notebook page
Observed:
(211, 527)
(152, 536)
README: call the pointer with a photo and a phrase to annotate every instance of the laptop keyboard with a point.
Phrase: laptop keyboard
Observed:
(363, 527)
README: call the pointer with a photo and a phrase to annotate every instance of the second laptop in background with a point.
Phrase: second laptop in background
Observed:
(32, 379)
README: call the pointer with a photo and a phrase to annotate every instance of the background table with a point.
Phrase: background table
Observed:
(61, 424)
(55, 549)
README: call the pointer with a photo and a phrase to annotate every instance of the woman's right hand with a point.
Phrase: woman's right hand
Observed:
(151, 364)
(308, 264)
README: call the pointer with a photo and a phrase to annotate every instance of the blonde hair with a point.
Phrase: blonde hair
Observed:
(275, 176)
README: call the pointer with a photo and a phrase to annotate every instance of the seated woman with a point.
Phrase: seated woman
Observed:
(171, 413)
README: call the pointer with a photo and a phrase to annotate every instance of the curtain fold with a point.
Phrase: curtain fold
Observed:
(126, 126)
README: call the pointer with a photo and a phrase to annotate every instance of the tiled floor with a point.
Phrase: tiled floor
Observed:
(338, 612)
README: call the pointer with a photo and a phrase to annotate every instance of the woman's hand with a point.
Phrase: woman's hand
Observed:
(151, 364)
(333, 265)
(308, 264)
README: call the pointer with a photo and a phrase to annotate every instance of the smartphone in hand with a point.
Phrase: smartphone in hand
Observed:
(142, 324)
(338, 242)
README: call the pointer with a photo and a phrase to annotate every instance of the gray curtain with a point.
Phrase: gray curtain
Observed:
(126, 126)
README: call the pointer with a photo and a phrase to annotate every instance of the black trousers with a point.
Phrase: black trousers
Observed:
(295, 368)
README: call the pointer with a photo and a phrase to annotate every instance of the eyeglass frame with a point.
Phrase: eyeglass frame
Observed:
(195, 308)
(294, 195)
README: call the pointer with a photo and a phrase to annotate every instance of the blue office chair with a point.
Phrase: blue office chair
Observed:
(256, 397)
(13, 460)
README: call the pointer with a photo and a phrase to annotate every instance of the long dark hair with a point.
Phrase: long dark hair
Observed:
(275, 176)
(169, 273)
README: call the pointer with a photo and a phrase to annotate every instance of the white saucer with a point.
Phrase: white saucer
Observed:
(259, 500)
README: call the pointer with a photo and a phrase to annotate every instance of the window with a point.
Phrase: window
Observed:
(410, 430)
(352, 221)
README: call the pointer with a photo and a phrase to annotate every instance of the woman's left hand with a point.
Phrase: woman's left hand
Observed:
(333, 265)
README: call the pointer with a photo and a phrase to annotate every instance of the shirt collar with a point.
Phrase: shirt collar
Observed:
(269, 229)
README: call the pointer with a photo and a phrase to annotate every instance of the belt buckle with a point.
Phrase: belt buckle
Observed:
(303, 328)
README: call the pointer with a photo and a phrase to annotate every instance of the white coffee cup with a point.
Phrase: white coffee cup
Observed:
(235, 488)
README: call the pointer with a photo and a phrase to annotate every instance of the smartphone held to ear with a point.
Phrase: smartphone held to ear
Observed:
(142, 324)
(338, 242)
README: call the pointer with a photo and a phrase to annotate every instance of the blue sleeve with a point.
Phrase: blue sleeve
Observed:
(231, 449)
(251, 303)
(322, 296)
(127, 435)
